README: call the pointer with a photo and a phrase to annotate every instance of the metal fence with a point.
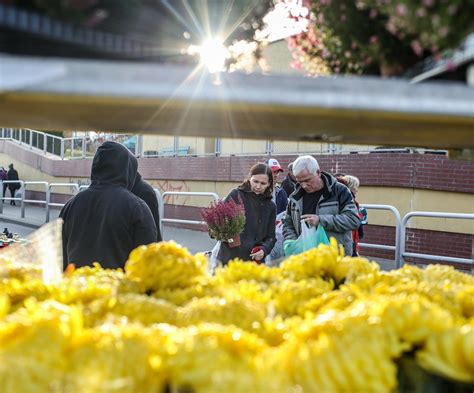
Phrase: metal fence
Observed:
(79, 147)
(403, 254)
(400, 224)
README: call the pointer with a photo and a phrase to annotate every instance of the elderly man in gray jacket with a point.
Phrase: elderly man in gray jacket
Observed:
(319, 199)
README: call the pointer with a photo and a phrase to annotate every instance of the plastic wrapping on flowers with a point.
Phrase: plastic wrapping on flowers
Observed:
(320, 322)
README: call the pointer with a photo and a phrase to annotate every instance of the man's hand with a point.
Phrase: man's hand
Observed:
(311, 219)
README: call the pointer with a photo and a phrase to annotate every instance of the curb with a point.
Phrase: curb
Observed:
(20, 221)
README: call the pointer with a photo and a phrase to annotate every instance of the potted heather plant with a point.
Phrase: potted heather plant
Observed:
(225, 220)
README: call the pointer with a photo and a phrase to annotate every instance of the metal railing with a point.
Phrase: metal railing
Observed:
(77, 147)
(403, 253)
(34, 201)
(183, 193)
(161, 208)
(398, 224)
(48, 195)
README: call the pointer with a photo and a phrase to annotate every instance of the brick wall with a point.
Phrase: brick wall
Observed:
(427, 171)
(458, 245)
(421, 171)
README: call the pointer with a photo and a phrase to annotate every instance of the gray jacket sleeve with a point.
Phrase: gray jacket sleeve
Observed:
(289, 230)
(348, 217)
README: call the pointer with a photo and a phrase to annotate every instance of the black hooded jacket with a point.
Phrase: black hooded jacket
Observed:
(13, 175)
(106, 221)
(146, 192)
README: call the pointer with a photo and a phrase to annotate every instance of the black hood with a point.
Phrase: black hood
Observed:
(114, 164)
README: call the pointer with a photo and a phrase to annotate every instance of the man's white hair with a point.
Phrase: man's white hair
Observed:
(305, 163)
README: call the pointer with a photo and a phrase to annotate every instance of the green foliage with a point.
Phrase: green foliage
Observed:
(378, 36)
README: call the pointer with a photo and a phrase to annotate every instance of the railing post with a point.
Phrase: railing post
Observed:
(161, 208)
(20, 135)
(62, 149)
(45, 142)
(1, 199)
(22, 202)
(218, 147)
(403, 234)
(84, 147)
(269, 147)
(31, 139)
(139, 146)
(48, 201)
(176, 146)
(398, 226)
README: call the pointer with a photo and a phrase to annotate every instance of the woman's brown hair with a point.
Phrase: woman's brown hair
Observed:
(259, 169)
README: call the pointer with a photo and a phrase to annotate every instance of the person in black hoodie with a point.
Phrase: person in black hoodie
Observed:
(258, 237)
(146, 192)
(13, 175)
(106, 222)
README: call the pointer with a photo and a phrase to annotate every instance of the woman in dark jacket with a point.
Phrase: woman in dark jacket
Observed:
(258, 237)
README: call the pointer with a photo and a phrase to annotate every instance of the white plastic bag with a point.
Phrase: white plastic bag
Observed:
(213, 262)
(277, 254)
(307, 232)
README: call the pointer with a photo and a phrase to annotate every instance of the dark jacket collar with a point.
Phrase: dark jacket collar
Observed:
(252, 194)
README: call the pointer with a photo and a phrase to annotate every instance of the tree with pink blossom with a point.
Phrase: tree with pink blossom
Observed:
(376, 36)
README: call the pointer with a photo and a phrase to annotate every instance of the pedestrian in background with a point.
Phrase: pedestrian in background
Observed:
(289, 184)
(279, 197)
(258, 236)
(3, 177)
(13, 175)
(320, 199)
(353, 184)
(146, 192)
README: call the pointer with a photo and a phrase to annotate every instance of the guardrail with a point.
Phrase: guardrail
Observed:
(48, 195)
(409, 216)
(184, 193)
(76, 147)
(398, 224)
(161, 208)
(33, 201)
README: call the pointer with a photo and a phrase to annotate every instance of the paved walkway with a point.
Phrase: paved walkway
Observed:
(195, 241)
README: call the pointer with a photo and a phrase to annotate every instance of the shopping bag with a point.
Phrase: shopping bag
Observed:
(321, 236)
(310, 237)
(275, 256)
(213, 262)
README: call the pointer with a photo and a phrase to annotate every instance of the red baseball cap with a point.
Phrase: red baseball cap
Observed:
(274, 165)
